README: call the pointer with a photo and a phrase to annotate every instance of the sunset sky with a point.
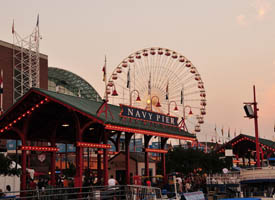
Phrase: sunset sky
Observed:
(232, 44)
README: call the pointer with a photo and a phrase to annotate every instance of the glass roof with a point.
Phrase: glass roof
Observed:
(72, 82)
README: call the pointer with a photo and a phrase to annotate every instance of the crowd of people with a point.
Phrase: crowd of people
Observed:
(187, 183)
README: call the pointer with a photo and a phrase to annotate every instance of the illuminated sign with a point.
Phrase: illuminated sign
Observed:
(145, 115)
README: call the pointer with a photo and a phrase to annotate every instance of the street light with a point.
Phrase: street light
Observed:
(150, 101)
(253, 114)
(138, 97)
(190, 110)
(182, 123)
(108, 90)
(175, 108)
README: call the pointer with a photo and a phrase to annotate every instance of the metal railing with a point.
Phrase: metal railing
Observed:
(118, 192)
(229, 178)
(257, 173)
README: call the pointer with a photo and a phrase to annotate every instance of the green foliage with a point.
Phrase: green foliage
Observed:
(187, 160)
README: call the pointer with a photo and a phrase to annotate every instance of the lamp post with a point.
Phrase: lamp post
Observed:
(108, 91)
(150, 101)
(254, 114)
(175, 108)
(138, 97)
(182, 123)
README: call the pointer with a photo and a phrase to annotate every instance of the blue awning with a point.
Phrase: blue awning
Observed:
(243, 199)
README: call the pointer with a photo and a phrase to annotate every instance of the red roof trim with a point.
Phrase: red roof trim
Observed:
(146, 132)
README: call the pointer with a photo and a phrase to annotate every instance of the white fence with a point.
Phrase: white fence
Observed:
(13, 181)
(258, 173)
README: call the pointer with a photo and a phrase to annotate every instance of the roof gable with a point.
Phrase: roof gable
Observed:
(89, 108)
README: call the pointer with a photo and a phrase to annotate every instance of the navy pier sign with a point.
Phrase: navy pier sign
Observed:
(145, 115)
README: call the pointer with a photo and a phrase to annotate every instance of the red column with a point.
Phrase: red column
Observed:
(53, 166)
(24, 171)
(127, 156)
(99, 173)
(163, 142)
(105, 159)
(79, 163)
(256, 128)
(127, 163)
(146, 164)
(146, 157)
(163, 168)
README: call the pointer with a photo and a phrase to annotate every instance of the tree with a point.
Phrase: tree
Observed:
(187, 160)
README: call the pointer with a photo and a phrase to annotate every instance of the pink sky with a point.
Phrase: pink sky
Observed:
(232, 44)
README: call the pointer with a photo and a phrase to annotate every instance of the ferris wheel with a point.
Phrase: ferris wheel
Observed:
(160, 80)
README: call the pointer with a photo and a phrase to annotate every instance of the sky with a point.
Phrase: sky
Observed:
(231, 43)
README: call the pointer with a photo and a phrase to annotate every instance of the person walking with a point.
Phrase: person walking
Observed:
(112, 182)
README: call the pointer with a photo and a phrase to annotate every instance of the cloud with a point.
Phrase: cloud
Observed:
(263, 7)
(241, 19)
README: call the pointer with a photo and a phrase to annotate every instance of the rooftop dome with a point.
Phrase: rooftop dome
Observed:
(72, 84)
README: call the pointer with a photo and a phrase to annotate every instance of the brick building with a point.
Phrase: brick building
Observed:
(6, 63)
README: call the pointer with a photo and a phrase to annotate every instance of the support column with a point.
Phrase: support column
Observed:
(105, 159)
(88, 159)
(163, 161)
(127, 156)
(53, 164)
(79, 166)
(99, 172)
(24, 171)
(146, 157)
(66, 156)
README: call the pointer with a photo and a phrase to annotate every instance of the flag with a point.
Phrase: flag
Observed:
(228, 133)
(215, 128)
(274, 127)
(167, 90)
(12, 29)
(149, 84)
(181, 96)
(222, 131)
(57, 88)
(1, 82)
(79, 93)
(37, 22)
(235, 133)
(104, 70)
(128, 78)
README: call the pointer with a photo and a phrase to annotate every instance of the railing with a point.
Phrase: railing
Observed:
(257, 173)
(119, 192)
(229, 178)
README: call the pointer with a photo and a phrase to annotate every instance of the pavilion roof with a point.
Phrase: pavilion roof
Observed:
(269, 144)
(90, 109)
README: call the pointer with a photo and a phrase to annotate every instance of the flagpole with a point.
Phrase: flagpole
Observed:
(129, 85)
(105, 80)
(206, 143)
